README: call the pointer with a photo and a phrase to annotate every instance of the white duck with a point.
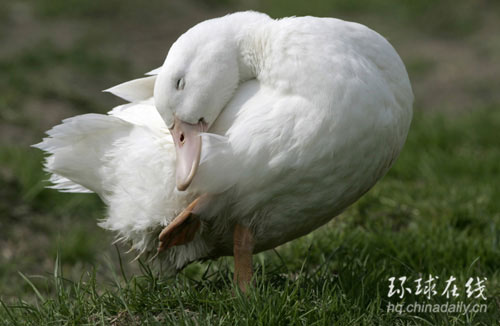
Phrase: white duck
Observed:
(267, 128)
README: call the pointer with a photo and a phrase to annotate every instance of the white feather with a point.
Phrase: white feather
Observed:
(77, 149)
(128, 159)
(134, 90)
(154, 72)
(217, 159)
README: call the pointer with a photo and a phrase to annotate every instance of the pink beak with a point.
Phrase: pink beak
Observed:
(187, 140)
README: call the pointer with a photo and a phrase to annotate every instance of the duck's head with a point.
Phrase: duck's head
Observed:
(199, 76)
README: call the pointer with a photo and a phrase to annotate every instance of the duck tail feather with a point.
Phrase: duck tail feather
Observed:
(77, 151)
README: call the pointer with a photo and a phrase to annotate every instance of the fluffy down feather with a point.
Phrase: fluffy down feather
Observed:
(128, 159)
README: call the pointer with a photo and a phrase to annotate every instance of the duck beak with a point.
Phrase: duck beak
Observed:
(187, 140)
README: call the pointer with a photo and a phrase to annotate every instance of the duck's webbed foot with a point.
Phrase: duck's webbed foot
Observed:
(243, 242)
(181, 230)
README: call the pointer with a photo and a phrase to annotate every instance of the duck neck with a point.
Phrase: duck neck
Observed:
(247, 67)
(249, 55)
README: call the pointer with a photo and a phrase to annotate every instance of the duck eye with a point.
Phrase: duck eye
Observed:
(180, 84)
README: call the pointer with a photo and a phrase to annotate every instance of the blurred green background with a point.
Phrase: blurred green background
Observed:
(57, 55)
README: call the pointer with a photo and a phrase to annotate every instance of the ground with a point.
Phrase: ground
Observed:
(435, 213)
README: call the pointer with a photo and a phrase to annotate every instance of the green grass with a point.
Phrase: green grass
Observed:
(436, 212)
